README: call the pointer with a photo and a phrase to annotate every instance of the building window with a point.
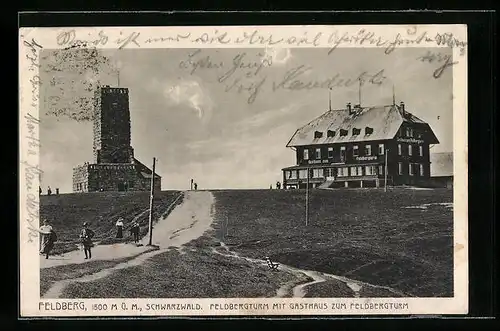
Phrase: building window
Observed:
(343, 172)
(327, 172)
(354, 171)
(410, 150)
(399, 149)
(368, 150)
(409, 132)
(400, 168)
(421, 150)
(317, 173)
(292, 174)
(381, 149)
(355, 150)
(330, 152)
(369, 170)
(380, 169)
(303, 174)
(306, 154)
(421, 169)
(318, 153)
(360, 171)
(342, 153)
(410, 169)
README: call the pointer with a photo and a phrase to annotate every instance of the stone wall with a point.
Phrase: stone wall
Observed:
(80, 178)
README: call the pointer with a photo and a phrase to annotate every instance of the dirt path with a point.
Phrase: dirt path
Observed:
(100, 252)
(186, 222)
(297, 288)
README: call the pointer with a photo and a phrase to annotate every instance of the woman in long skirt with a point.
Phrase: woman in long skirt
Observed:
(119, 228)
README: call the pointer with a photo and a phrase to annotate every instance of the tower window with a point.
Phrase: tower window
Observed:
(355, 150)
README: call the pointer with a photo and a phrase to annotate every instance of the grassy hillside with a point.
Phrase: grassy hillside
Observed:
(67, 212)
(368, 235)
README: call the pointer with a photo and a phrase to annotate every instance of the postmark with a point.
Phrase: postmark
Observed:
(235, 171)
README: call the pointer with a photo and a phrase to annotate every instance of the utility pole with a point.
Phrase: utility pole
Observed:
(330, 99)
(151, 203)
(385, 171)
(359, 92)
(307, 198)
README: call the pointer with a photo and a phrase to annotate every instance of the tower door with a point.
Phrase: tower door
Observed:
(121, 186)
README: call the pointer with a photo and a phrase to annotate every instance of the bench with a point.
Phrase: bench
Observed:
(271, 264)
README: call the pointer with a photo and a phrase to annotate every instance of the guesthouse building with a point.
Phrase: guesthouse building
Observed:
(361, 147)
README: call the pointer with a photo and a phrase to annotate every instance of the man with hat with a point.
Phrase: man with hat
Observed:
(86, 236)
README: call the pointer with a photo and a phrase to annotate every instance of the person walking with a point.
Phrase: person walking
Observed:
(52, 238)
(134, 231)
(119, 228)
(86, 236)
(44, 230)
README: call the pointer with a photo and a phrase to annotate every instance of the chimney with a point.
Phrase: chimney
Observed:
(402, 108)
(349, 108)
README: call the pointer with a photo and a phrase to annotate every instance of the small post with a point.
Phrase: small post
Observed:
(151, 204)
(385, 171)
(307, 198)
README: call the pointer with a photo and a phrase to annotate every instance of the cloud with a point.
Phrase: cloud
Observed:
(191, 94)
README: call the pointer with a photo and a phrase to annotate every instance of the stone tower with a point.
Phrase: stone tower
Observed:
(112, 126)
(115, 168)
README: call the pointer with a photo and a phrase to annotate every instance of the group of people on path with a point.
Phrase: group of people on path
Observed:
(135, 229)
(49, 236)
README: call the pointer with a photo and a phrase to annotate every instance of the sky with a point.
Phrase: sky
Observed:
(224, 116)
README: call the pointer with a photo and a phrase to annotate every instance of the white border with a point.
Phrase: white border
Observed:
(317, 36)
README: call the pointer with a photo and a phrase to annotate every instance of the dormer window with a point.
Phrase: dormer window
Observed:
(330, 133)
(318, 134)
(368, 130)
(356, 132)
(343, 132)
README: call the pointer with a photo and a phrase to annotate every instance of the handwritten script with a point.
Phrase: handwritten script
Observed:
(31, 126)
(444, 62)
(246, 73)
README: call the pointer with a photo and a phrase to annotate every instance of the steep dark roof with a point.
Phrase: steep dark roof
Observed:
(384, 120)
(441, 164)
(143, 170)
